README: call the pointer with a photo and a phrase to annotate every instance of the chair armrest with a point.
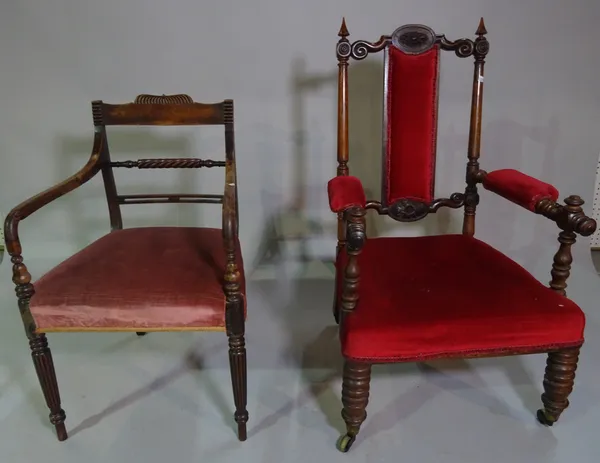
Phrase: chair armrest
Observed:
(28, 207)
(569, 218)
(344, 192)
(519, 188)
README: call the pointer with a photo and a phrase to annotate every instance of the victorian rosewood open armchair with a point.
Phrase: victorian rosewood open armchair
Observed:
(140, 279)
(450, 296)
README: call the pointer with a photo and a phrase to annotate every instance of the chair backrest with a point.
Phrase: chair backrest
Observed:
(410, 101)
(164, 110)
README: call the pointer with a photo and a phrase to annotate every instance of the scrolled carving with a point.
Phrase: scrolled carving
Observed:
(482, 47)
(463, 48)
(361, 48)
(408, 210)
(343, 49)
(164, 99)
(455, 201)
(413, 39)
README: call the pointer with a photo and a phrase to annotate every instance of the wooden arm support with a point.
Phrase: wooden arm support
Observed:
(235, 305)
(21, 276)
(572, 221)
(356, 237)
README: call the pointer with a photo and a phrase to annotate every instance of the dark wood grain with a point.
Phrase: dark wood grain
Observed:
(170, 198)
(108, 177)
(479, 51)
(161, 114)
(561, 267)
(234, 308)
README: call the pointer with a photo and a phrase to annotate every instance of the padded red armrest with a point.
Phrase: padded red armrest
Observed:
(519, 188)
(344, 192)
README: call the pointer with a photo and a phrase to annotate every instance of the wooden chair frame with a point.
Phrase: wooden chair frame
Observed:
(561, 364)
(145, 110)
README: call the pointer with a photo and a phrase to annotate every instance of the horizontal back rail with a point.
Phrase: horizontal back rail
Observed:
(169, 163)
(170, 198)
(163, 110)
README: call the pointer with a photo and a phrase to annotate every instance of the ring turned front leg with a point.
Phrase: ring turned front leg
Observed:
(355, 397)
(558, 384)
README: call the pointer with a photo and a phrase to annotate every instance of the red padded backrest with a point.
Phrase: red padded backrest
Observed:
(410, 124)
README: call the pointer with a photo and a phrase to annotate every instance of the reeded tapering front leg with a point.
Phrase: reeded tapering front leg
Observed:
(44, 367)
(558, 384)
(237, 363)
(355, 397)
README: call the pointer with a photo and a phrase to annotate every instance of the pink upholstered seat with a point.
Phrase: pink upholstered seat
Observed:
(138, 279)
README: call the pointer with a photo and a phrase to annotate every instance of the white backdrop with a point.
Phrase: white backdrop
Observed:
(276, 59)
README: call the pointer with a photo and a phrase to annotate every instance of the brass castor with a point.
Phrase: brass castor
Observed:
(141, 333)
(345, 442)
(544, 418)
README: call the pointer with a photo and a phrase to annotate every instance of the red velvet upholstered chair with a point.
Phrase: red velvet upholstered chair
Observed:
(449, 296)
(140, 279)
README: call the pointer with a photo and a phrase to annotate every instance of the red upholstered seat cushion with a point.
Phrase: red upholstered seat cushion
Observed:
(137, 279)
(450, 296)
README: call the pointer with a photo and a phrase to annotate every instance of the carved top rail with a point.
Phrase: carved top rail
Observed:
(177, 109)
(412, 39)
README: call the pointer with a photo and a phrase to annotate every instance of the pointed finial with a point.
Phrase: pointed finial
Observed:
(481, 30)
(343, 29)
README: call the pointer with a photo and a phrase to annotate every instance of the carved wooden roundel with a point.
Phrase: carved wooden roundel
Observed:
(413, 39)
(408, 210)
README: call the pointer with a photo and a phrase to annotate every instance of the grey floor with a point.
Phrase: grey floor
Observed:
(132, 399)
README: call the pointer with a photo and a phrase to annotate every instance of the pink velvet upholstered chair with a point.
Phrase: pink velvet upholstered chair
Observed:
(140, 279)
(449, 296)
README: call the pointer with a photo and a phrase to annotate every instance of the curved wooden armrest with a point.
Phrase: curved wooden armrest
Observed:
(28, 207)
(569, 218)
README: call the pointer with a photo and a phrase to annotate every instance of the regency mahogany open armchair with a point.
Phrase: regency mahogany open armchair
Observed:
(449, 296)
(140, 279)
